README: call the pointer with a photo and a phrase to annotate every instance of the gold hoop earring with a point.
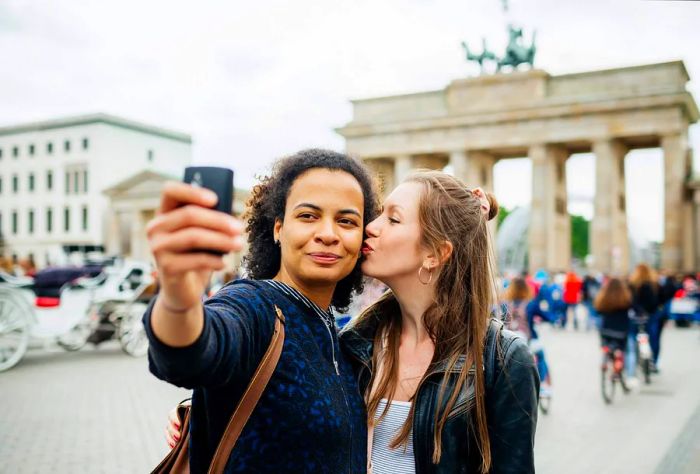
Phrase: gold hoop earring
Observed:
(430, 276)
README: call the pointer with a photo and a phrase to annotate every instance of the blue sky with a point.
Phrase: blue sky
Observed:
(254, 81)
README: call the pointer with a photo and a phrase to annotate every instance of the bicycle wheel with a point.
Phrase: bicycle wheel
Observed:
(132, 335)
(607, 380)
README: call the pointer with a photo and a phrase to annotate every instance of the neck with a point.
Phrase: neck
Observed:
(319, 294)
(414, 299)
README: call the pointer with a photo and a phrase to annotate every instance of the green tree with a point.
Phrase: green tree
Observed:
(502, 214)
(579, 236)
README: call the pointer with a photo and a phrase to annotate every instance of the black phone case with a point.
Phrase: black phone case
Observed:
(219, 180)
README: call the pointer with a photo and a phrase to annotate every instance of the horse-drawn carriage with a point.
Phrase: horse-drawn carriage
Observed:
(72, 306)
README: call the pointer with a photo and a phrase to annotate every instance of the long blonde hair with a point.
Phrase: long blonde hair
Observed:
(458, 319)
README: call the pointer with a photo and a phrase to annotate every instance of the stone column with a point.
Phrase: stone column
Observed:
(383, 170)
(675, 148)
(550, 226)
(113, 237)
(475, 168)
(138, 236)
(608, 235)
(403, 164)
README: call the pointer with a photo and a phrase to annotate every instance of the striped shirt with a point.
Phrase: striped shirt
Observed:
(384, 459)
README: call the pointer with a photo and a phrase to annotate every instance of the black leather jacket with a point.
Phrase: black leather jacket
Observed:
(512, 392)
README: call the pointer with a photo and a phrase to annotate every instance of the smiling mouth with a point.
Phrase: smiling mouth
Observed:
(324, 258)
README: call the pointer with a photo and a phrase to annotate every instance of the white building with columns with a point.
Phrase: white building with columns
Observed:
(53, 174)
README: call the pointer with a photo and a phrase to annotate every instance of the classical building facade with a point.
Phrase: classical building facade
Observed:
(134, 201)
(473, 123)
(53, 174)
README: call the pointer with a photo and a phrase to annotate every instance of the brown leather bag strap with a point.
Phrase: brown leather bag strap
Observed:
(250, 397)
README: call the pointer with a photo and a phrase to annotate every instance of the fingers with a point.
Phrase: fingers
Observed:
(194, 216)
(172, 429)
(195, 238)
(176, 194)
(177, 263)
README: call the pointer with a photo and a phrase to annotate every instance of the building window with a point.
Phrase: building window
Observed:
(49, 220)
(67, 182)
(66, 146)
(66, 219)
(85, 181)
(15, 151)
(0, 184)
(49, 148)
(14, 222)
(85, 218)
(31, 150)
(86, 143)
(76, 182)
(49, 180)
(31, 182)
(31, 221)
(0, 153)
(150, 155)
(0, 224)
(15, 183)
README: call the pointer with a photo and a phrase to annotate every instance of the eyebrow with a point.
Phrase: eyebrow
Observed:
(392, 206)
(316, 208)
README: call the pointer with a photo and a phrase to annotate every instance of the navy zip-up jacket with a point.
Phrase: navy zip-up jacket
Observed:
(309, 418)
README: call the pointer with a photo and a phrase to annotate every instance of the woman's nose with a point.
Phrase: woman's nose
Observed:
(326, 233)
(372, 229)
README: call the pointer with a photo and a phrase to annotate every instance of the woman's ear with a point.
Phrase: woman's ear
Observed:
(446, 250)
(431, 261)
(276, 230)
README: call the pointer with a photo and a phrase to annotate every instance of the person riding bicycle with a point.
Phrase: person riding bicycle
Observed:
(613, 303)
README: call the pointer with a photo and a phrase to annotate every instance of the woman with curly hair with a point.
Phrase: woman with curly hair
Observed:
(305, 229)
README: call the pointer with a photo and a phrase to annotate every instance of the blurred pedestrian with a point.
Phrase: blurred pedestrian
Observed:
(571, 297)
(589, 291)
(645, 301)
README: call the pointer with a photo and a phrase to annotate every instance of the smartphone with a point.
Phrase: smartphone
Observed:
(219, 180)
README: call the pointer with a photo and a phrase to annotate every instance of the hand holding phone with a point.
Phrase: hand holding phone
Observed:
(192, 230)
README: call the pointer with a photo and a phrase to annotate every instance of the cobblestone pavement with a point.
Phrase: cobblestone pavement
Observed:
(100, 411)
(641, 432)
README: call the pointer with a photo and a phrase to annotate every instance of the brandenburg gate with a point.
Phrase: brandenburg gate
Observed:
(474, 122)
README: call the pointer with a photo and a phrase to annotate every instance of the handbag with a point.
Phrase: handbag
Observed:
(177, 461)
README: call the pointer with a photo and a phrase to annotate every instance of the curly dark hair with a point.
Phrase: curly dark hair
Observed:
(267, 203)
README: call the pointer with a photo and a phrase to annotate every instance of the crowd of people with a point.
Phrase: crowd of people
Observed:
(614, 306)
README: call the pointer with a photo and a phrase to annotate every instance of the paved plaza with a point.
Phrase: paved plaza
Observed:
(100, 411)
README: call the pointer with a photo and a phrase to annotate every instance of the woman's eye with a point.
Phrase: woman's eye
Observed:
(348, 222)
(394, 221)
(306, 215)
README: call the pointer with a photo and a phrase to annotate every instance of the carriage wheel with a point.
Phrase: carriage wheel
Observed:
(132, 335)
(14, 331)
(77, 337)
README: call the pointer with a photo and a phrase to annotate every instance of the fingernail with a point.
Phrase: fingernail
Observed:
(176, 436)
(209, 195)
